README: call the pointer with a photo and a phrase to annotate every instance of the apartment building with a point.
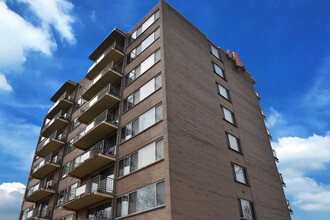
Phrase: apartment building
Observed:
(164, 125)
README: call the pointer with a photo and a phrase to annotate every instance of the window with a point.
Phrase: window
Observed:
(75, 123)
(223, 91)
(68, 147)
(100, 212)
(142, 93)
(246, 209)
(228, 115)
(218, 70)
(215, 51)
(233, 143)
(143, 45)
(141, 200)
(239, 173)
(65, 170)
(144, 121)
(147, 155)
(68, 217)
(143, 27)
(142, 68)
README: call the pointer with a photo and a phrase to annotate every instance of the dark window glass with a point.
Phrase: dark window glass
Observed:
(118, 207)
(134, 162)
(159, 113)
(132, 203)
(121, 168)
(135, 125)
(160, 188)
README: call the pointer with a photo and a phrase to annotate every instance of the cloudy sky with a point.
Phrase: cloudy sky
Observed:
(285, 45)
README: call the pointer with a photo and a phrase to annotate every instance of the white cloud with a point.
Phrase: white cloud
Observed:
(274, 118)
(55, 13)
(18, 140)
(92, 16)
(18, 37)
(11, 195)
(4, 86)
(298, 157)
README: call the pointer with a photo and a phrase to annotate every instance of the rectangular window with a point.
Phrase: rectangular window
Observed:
(233, 143)
(218, 70)
(142, 158)
(68, 147)
(223, 91)
(228, 115)
(143, 27)
(75, 123)
(142, 68)
(215, 51)
(239, 173)
(142, 93)
(65, 170)
(68, 217)
(144, 121)
(246, 209)
(141, 200)
(143, 45)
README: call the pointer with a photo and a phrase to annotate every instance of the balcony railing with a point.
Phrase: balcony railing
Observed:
(41, 190)
(257, 94)
(46, 166)
(98, 189)
(48, 145)
(107, 98)
(60, 115)
(289, 206)
(268, 132)
(114, 45)
(97, 129)
(282, 180)
(100, 155)
(263, 114)
(38, 213)
(275, 156)
(111, 66)
(65, 96)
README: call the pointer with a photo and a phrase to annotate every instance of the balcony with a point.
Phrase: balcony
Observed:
(263, 114)
(41, 190)
(107, 98)
(257, 94)
(68, 86)
(60, 120)
(268, 133)
(51, 144)
(46, 166)
(96, 190)
(109, 75)
(289, 207)
(100, 155)
(115, 52)
(275, 156)
(282, 180)
(63, 103)
(97, 130)
(38, 213)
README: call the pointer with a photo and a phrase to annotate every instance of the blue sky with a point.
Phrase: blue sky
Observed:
(285, 45)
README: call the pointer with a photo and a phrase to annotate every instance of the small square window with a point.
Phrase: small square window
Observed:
(223, 91)
(233, 143)
(228, 115)
(218, 70)
(246, 209)
(239, 173)
(215, 52)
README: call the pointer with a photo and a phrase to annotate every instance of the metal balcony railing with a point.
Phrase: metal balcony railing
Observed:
(275, 156)
(106, 116)
(103, 147)
(64, 96)
(51, 158)
(268, 132)
(111, 66)
(43, 184)
(282, 180)
(43, 212)
(55, 135)
(289, 206)
(102, 184)
(114, 45)
(109, 89)
(60, 114)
